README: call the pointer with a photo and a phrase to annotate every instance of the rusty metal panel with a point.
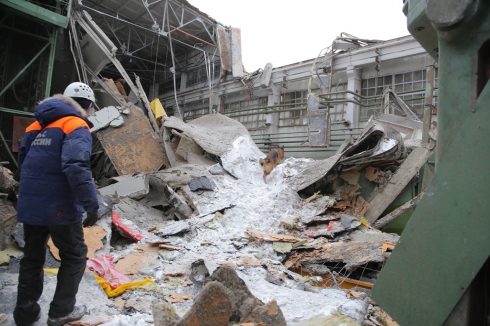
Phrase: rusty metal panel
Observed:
(131, 147)
(318, 123)
(224, 44)
(236, 53)
(20, 125)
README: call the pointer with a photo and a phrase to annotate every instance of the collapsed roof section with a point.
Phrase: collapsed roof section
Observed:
(159, 41)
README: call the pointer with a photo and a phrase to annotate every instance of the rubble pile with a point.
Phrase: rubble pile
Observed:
(190, 234)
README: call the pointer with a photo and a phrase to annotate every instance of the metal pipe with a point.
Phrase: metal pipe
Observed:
(8, 149)
(24, 33)
(18, 112)
(52, 50)
(24, 69)
(188, 34)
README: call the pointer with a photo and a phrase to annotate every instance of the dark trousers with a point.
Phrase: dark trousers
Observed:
(73, 253)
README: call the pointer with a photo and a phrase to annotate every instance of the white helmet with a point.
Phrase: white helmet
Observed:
(80, 90)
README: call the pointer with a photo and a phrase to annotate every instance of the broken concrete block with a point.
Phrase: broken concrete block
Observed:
(216, 170)
(134, 187)
(201, 183)
(211, 307)
(346, 220)
(290, 221)
(104, 117)
(173, 228)
(105, 205)
(282, 247)
(143, 216)
(187, 145)
(164, 314)
(174, 270)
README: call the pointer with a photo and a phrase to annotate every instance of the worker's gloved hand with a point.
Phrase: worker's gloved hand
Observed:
(91, 219)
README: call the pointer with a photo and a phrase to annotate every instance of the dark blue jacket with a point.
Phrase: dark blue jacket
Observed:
(56, 184)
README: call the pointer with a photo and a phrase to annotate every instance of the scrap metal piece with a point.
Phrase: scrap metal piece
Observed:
(375, 144)
(202, 183)
(104, 117)
(182, 210)
(131, 147)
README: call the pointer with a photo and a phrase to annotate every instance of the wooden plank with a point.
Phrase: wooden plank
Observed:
(398, 181)
(397, 212)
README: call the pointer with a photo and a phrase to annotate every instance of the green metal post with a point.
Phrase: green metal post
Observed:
(52, 42)
(25, 68)
(446, 241)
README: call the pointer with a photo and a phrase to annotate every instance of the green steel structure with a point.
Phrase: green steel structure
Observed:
(36, 24)
(438, 272)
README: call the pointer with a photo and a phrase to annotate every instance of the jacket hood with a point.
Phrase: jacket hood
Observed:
(59, 106)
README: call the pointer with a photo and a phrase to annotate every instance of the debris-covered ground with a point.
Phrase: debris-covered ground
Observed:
(185, 217)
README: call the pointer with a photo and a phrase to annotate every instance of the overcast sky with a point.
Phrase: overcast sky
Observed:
(288, 31)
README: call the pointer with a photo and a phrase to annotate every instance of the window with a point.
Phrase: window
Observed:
(238, 111)
(287, 117)
(168, 85)
(193, 110)
(200, 76)
(412, 82)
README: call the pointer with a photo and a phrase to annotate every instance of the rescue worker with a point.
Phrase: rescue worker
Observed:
(56, 188)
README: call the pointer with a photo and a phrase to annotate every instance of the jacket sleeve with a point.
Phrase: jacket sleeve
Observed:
(24, 149)
(75, 163)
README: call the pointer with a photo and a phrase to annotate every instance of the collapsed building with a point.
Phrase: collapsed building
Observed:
(178, 133)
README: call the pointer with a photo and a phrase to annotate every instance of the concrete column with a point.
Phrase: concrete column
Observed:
(272, 119)
(183, 82)
(352, 113)
(153, 92)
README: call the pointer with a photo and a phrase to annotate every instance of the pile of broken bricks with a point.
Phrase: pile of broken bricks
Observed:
(190, 213)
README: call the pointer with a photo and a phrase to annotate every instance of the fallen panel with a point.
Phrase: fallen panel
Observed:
(262, 236)
(224, 45)
(319, 206)
(173, 228)
(398, 181)
(131, 147)
(144, 217)
(226, 138)
(411, 130)
(236, 53)
(133, 187)
(354, 253)
(304, 173)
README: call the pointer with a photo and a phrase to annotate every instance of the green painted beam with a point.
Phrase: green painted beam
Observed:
(24, 69)
(49, 77)
(446, 241)
(41, 13)
(16, 112)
